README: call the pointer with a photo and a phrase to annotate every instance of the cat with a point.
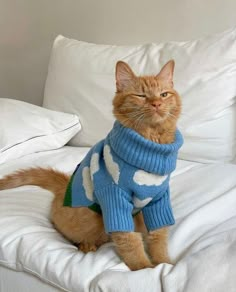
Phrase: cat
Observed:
(150, 106)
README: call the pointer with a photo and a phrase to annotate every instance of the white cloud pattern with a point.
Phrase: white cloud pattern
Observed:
(94, 164)
(87, 183)
(112, 167)
(142, 177)
(140, 203)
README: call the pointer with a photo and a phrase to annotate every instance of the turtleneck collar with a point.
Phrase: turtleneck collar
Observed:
(142, 153)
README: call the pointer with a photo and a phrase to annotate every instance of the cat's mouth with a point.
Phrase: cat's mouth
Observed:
(158, 115)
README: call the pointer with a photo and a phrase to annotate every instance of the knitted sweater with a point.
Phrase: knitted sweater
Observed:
(123, 174)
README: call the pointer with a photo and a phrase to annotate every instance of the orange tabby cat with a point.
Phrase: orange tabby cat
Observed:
(150, 106)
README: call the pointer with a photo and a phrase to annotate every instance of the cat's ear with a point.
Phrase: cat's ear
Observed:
(167, 72)
(125, 77)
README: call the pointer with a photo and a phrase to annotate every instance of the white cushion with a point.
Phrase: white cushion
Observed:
(27, 128)
(81, 80)
(201, 243)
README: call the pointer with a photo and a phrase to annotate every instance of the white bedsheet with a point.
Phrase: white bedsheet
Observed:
(202, 243)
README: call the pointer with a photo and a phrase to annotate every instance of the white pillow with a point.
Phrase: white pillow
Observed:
(81, 80)
(27, 128)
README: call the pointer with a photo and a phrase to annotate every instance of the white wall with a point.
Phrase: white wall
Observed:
(28, 27)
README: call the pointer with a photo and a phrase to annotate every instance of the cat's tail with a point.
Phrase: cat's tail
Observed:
(46, 178)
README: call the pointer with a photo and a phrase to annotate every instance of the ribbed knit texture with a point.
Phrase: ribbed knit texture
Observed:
(116, 208)
(159, 214)
(143, 153)
(126, 173)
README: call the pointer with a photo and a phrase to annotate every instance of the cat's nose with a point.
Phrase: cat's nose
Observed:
(156, 103)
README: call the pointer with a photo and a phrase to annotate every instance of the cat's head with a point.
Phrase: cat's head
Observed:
(145, 101)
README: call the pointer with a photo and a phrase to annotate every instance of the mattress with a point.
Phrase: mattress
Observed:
(202, 243)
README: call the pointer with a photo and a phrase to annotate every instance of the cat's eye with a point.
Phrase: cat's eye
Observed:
(164, 94)
(141, 95)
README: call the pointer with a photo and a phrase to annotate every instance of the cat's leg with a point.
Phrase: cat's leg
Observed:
(94, 237)
(82, 226)
(130, 247)
(157, 243)
(139, 223)
(117, 215)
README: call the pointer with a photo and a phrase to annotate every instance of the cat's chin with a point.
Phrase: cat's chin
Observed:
(157, 119)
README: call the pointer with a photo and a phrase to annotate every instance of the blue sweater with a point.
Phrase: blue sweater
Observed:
(123, 174)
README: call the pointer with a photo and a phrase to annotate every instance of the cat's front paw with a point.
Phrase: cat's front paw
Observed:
(160, 258)
(140, 264)
(87, 247)
(157, 243)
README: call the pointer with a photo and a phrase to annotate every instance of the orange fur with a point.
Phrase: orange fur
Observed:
(138, 104)
(139, 113)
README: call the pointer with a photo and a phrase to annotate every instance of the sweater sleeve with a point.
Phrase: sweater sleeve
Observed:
(158, 213)
(116, 208)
